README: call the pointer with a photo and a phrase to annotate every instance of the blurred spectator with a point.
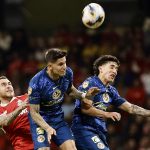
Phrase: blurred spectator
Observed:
(136, 93)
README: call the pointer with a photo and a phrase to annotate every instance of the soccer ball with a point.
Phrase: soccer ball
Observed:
(93, 15)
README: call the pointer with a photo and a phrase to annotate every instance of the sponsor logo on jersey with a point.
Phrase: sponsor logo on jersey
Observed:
(95, 139)
(39, 131)
(56, 94)
(29, 91)
(106, 97)
(24, 111)
(100, 105)
(85, 84)
(100, 145)
(41, 138)
(53, 102)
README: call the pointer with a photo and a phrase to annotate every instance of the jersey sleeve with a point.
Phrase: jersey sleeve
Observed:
(117, 99)
(34, 92)
(87, 84)
(70, 78)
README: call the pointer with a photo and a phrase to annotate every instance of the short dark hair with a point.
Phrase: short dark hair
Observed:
(3, 77)
(53, 54)
(103, 60)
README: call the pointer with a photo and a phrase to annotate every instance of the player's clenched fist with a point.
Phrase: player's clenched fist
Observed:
(92, 92)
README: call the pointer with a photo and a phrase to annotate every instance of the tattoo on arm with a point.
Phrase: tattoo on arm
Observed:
(5, 120)
(75, 93)
(139, 110)
(34, 111)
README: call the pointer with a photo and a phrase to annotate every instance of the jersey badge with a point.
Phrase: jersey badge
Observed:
(56, 94)
(100, 145)
(39, 131)
(106, 97)
(41, 138)
(85, 84)
(95, 139)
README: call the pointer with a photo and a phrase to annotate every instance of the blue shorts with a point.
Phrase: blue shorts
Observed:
(39, 136)
(89, 140)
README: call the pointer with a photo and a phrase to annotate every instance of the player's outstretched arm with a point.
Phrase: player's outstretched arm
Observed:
(80, 95)
(92, 111)
(134, 109)
(34, 111)
(6, 119)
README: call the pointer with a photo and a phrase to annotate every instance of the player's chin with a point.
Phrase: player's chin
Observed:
(111, 80)
(62, 74)
(10, 95)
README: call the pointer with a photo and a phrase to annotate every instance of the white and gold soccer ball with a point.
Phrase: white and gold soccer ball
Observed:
(93, 15)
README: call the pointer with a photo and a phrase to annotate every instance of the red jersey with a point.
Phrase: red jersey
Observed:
(19, 130)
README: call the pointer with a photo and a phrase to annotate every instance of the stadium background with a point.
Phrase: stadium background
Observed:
(27, 28)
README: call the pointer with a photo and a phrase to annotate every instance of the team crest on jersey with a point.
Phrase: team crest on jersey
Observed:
(29, 91)
(41, 138)
(95, 139)
(100, 145)
(56, 94)
(106, 97)
(85, 84)
(39, 131)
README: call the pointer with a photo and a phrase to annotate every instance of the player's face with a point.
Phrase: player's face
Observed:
(108, 72)
(58, 68)
(6, 89)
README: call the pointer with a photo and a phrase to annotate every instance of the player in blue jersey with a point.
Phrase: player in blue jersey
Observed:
(46, 94)
(88, 126)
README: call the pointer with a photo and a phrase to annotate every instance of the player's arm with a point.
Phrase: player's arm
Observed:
(80, 95)
(34, 111)
(134, 109)
(92, 111)
(5, 120)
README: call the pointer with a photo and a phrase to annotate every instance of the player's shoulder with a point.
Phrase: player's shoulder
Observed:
(112, 88)
(69, 71)
(22, 97)
(37, 76)
(87, 83)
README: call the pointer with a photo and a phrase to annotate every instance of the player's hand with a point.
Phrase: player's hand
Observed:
(87, 103)
(50, 131)
(113, 115)
(92, 92)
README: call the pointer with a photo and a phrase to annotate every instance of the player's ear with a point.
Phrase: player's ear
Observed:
(49, 66)
(100, 69)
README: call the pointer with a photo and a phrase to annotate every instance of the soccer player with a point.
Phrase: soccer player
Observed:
(89, 129)
(14, 116)
(46, 94)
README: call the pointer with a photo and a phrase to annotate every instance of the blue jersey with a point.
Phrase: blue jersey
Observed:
(49, 94)
(106, 97)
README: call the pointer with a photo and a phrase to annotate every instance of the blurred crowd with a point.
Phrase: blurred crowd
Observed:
(22, 56)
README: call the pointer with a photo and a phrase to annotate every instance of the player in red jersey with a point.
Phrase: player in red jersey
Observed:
(14, 116)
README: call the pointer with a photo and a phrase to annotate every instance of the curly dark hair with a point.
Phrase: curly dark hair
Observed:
(103, 60)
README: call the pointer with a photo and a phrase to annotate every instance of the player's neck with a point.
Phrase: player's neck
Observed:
(103, 80)
(5, 101)
(52, 75)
